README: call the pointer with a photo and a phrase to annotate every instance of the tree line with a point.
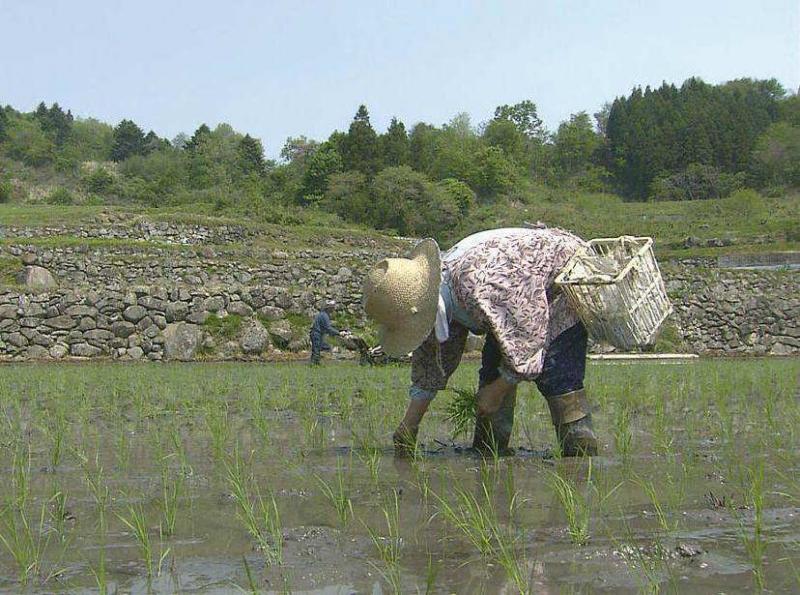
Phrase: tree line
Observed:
(671, 143)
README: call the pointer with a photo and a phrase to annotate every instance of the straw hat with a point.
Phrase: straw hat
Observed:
(402, 296)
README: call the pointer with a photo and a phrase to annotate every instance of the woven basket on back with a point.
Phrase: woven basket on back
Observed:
(616, 288)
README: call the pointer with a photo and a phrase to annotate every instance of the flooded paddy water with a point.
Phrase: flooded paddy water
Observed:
(279, 478)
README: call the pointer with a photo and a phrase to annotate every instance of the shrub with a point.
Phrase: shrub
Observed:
(696, 182)
(5, 191)
(60, 196)
(100, 180)
(746, 204)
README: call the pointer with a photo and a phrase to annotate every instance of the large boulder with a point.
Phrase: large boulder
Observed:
(176, 311)
(134, 313)
(181, 341)
(36, 277)
(281, 333)
(255, 338)
(240, 308)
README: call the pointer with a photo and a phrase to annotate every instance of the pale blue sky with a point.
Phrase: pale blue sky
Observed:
(275, 69)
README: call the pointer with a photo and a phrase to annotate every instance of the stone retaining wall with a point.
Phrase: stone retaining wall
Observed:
(736, 311)
(160, 231)
(154, 303)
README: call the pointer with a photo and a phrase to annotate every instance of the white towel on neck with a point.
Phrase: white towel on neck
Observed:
(442, 325)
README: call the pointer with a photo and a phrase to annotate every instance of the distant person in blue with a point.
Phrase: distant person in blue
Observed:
(322, 326)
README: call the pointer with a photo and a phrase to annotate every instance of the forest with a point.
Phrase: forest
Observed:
(689, 142)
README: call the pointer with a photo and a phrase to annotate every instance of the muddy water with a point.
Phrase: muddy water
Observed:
(127, 428)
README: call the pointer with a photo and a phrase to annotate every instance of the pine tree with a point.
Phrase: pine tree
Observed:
(197, 138)
(394, 144)
(56, 123)
(250, 156)
(361, 145)
(128, 140)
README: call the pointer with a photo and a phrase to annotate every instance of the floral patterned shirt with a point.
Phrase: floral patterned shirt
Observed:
(503, 280)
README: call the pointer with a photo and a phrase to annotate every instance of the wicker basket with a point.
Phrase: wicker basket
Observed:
(616, 288)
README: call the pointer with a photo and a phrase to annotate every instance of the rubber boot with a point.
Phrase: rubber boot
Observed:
(493, 432)
(573, 423)
(405, 441)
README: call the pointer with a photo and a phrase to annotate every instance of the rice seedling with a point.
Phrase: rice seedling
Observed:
(171, 490)
(575, 505)
(337, 493)
(58, 512)
(20, 476)
(259, 515)
(56, 430)
(460, 411)
(475, 519)
(136, 522)
(371, 458)
(753, 540)
(218, 425)
(622, 429)
(389, 547)
(24, 539)
(122, 448)
(478, 521)
(179, 448)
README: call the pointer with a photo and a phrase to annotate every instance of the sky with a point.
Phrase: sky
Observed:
(277, 69)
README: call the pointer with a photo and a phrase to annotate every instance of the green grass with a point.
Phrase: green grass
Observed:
(754, 225)
(223, 327)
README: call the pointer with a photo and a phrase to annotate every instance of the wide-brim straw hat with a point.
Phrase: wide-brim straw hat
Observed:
(402, 296)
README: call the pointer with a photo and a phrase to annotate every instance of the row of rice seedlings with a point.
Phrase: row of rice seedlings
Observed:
(257, 513)
(218, 426)
(477, 520)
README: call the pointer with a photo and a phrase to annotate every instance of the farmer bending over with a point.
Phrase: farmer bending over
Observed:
(319, 328)
(498, 283)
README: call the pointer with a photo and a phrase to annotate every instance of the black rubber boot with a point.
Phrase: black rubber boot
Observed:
(573, 423)
(493, 432)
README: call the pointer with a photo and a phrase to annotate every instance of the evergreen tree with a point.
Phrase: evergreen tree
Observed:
(655, 133)
(152, 143)
(251, 156)
(394, 144)
(197, 138)
(361, 145)
(128, 140)
(422, 147)
(56, 123)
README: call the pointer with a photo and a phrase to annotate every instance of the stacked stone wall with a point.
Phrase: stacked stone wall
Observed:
(146, 302)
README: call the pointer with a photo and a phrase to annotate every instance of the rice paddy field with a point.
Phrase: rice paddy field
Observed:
(280, 478)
